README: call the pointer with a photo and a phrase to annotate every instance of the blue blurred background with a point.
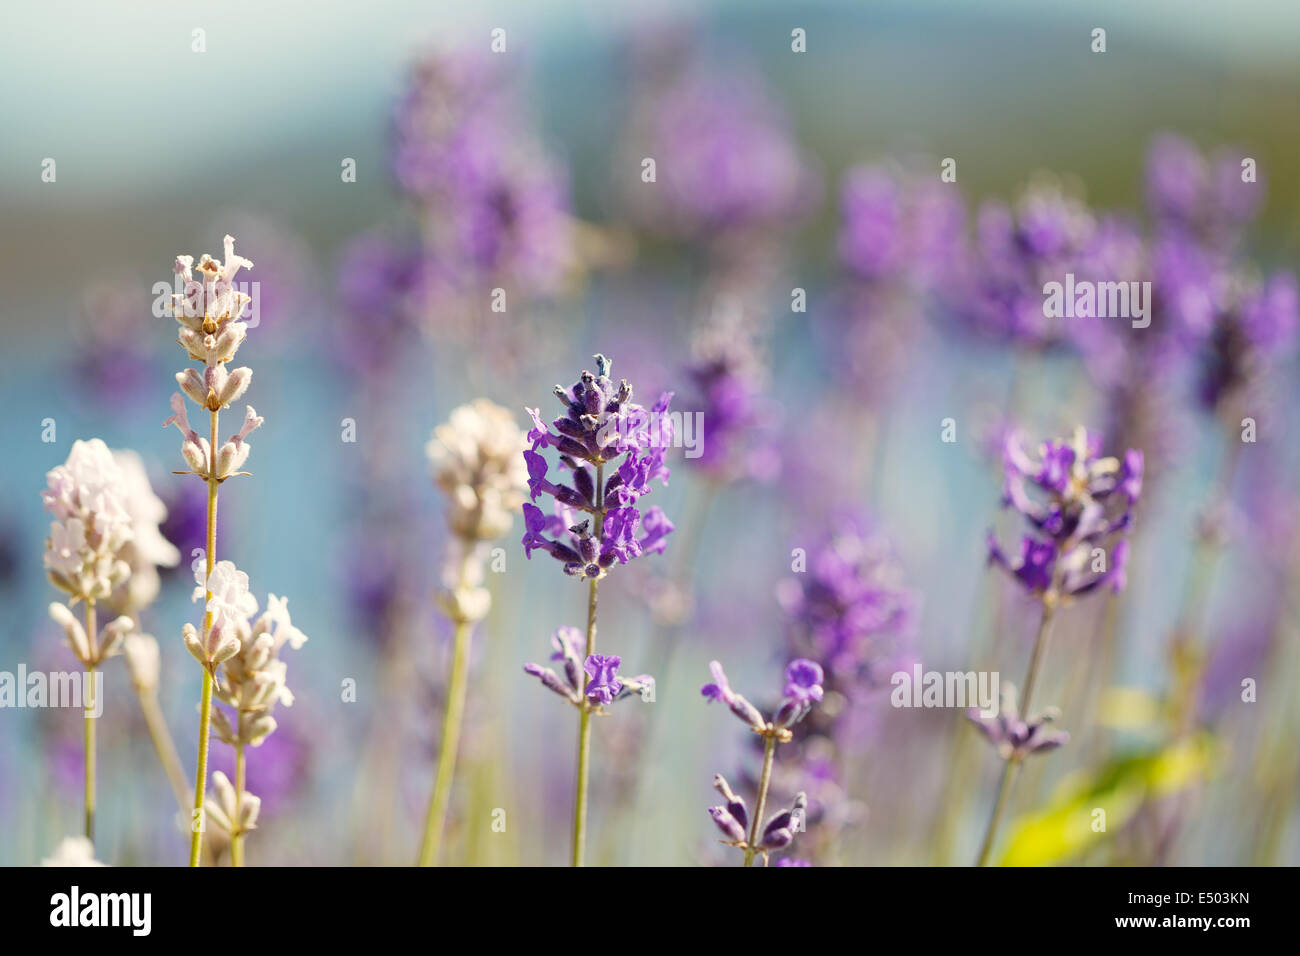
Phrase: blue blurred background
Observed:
(161, 151)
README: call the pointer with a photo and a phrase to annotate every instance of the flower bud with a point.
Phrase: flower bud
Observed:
(235, 386)
(76, 634)
(260, 726)
(195, 454)
(728, 824)
(249, 807)
(221, 727)
(191, 383)
(193, 644)
(112, 634)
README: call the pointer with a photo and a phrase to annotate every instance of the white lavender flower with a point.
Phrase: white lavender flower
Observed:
(477, 462)
(91, 523)
(255, 676)
(231, 812)
(73, 851)
(147, 550)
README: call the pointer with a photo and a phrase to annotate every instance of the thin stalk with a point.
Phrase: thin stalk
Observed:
(436, 817)
(162, 743)
(999, 807)
(769, 751)
(584, 711)
(205, 702)
(237, 835)
(91, 637)
(1013, 763)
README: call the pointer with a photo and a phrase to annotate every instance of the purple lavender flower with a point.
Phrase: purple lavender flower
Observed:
(600, 425)
(1250, 324)
(720, 690)
(1080, 501)
(849, 610)
(899, 228)
(497, 205)
(379, 281)
(1017, 251)
(727, 159)
(1013, 737)
(803, 688)
(780, 829)
(727, 387)
(602, 683)
(1204, 197)
(733, 817)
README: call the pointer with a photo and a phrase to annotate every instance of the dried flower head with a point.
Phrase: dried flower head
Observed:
(477, 464)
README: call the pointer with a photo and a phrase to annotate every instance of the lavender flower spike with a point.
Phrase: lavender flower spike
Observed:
(601, 683)
(803, 688)
(600, 427)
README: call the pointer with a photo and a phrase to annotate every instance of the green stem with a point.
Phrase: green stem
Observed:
(999, 807)
(91, 636)
(237, 834)
(584, 711)
(1013, 762)
(162, 743)
(451, 725)
(769, 752)
(205, 702)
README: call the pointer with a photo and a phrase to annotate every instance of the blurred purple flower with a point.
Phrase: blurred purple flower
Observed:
(849, 609)
(727, 159)
(1075, 501)
(1015, 738)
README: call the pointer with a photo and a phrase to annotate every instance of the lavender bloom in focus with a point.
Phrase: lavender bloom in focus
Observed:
(604, 684)
(596, 678)
(601, 425)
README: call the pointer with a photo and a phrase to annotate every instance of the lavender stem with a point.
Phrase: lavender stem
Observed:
(91, 633)
(769, 752)
(1013, 763)
(205, 702)
(584, 709)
